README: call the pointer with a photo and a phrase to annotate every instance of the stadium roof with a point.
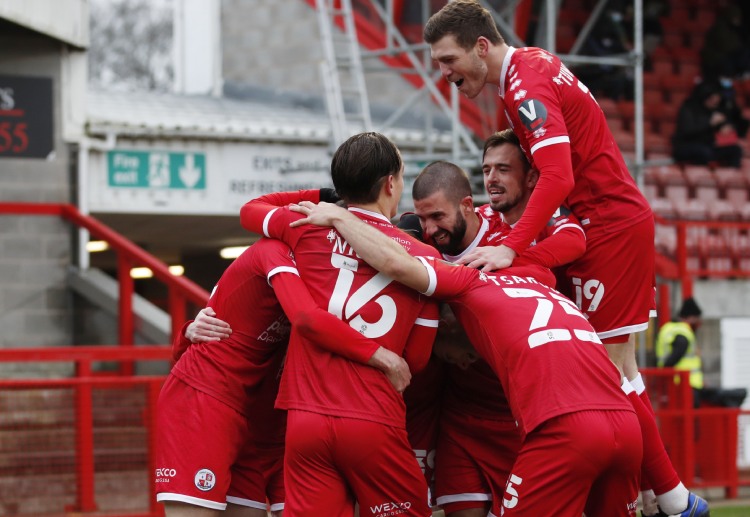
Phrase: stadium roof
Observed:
(165, 115)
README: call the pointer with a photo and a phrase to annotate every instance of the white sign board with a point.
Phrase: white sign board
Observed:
(214, 178)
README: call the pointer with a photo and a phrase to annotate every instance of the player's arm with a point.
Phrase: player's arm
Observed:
(418, 347)
(330, 333)
(555, 183)
(375, 248)
(253, 215)
(561, 242)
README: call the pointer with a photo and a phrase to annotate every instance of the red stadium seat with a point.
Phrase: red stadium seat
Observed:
(663, 207)
(723, 210)
(665, 239)
(677, 193)
(729, 177)
(707, 193)
(737, 196)
(696, 175)
(692, 209)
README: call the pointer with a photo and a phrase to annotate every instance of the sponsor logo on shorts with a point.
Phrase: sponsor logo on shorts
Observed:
(162, 475)
(389, 508)
(633, 507)
(204, 480)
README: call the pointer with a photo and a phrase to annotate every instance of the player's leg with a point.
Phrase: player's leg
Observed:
(555, 468)
(313, 484)
(236, 510)
(475, 456)
(615, 492)
(257, 477)
(614, 285)
(194, 455)
(178, 509)
(380, 467)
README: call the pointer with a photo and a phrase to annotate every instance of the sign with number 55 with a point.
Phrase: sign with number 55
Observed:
(25, 117)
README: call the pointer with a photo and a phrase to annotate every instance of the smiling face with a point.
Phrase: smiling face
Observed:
(443, 222)
(507, 181)
(464, 68)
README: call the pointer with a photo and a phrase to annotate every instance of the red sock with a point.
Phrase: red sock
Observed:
(646, 401)
(657, 468)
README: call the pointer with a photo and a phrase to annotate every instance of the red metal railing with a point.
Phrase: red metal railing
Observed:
(702, 442)
(83, 385)
(181, 290)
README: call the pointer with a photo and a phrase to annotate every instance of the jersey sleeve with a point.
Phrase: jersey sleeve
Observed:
(446, 280)
(256, 214)
(561, 242)
(181, 343)
(555, 182)
(419, 343)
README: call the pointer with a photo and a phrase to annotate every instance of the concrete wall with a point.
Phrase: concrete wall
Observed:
(35, 251)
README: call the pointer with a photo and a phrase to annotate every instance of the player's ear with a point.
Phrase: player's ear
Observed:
(483, 46)
(467, 204)
(532, 176)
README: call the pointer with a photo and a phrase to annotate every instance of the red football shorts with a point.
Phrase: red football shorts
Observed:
(203, 456)
(614, 282)
(473, 461)
(331, 462)
(583, 462)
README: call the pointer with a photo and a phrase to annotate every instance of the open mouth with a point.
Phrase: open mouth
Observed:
(459, 83)
(495, 192)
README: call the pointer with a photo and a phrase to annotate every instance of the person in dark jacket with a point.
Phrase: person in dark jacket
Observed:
(709, 126)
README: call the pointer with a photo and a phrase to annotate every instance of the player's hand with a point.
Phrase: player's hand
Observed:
(206, 327)
(489, 258)
(322, 214)
(393, 366)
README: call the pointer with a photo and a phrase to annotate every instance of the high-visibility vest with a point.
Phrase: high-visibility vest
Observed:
(691, 361)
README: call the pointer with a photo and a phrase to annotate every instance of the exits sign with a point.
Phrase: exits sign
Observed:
(156, 170)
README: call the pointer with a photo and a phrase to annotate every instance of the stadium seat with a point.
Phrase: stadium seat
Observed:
(699, 175)
(737, 197)
(723, 210)
(729, 177)
(663, 207)
(678, 194)
(707, 193)
(669, 175)
(666, 239)
(692, 209)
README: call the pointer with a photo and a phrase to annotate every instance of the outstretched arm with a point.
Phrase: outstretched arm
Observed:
(375, 248)
(330, 333)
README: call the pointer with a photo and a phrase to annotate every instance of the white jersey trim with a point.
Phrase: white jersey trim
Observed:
(469, 496)
(376, 215)
(569, 225)
(640, 327)
(550, 141)
(432, 284)
(266, 220)
(167, 496)
(483, 228)
(427, 323)
(277, 507)
(280, 269)
(249, 503)
(504, 71)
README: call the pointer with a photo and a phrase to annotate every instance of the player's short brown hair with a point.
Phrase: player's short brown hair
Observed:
(442, 176)
(360, 165)
(465, 20)
(506, 136)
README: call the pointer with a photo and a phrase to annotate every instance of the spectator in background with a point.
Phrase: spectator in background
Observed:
(676, 347)
(726, 48)
(709, 126)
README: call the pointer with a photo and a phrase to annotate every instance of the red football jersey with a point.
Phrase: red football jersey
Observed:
(546, 105)
(232, 370)
(394, 316)
(548, 358)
